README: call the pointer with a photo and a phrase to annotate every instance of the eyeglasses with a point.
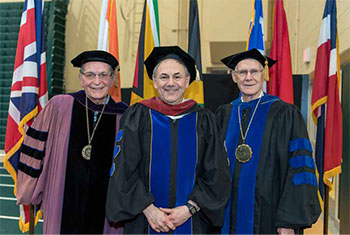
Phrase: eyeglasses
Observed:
(244, 73)
(92, 75)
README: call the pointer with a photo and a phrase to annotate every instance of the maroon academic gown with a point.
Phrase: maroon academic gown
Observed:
(53, 173)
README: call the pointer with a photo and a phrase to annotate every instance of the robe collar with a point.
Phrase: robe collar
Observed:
(241, 97)
(172, 110)
(111, 107)
(251, 104)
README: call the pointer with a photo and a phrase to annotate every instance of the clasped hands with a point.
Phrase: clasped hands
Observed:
(166, 219)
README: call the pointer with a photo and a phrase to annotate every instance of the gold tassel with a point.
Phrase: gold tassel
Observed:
(266, 70)
(116, 76)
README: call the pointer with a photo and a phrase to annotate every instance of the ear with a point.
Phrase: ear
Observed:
(188, 81)
(233, 76)
(114, 78)
(81, 79)
(154, 82)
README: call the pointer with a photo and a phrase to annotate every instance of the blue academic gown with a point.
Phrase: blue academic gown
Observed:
(277, 187)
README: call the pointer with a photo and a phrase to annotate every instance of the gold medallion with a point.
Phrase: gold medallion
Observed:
(86, 152)
(243, 153)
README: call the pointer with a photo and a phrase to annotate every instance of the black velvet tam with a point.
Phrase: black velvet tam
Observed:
(159, 54)
(232, 60)
(96, 55)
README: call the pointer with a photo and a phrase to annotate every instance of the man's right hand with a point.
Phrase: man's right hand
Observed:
(157, 219)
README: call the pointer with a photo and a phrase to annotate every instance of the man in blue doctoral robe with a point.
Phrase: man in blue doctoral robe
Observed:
(274, 186)
(170, 171)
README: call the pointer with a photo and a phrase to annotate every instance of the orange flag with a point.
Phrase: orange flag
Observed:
(108, 40)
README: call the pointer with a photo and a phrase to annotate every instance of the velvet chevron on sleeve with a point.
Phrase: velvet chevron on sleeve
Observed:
(71, 190)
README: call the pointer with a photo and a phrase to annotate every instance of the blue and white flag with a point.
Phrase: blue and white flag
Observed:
(256, 28)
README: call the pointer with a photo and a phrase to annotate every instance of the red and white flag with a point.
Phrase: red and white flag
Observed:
(326, 108)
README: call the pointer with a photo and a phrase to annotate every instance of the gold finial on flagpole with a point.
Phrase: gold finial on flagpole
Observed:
(198, 78)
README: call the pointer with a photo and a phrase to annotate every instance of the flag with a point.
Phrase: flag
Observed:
(281, 80)
(108, 40)
(149, 38)
(326, 109)
(256, 28)
(29, 89)
(256, 32)
(195, 90)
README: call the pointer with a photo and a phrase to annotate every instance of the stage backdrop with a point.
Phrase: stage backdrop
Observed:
(220, 89)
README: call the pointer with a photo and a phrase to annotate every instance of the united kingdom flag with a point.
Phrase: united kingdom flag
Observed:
(29, 86)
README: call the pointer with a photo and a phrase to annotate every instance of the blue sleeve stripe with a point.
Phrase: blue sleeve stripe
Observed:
(302, 161)
(304, 178)
(111, 172)
(298, 144)
(119, 136)
(116, 151)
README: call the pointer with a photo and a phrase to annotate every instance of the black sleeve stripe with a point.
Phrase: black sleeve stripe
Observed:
(35, 173)
(35, 153)
(39, 135)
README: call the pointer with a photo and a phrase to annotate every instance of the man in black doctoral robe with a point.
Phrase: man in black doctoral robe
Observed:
(170, 171)
(274, 186)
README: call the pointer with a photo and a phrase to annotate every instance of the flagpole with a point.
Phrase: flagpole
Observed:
(325, 91)
(31, 219)
(326, 209)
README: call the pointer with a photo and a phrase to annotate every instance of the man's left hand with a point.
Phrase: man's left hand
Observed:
(177, 215)
(285, 231)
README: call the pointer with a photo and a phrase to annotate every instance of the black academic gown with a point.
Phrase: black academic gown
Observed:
(167, 162)
(277, 187)
(86, 181)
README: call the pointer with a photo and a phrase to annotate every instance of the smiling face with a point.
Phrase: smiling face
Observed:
(96, 86)
(171, 79)
(250, 84)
